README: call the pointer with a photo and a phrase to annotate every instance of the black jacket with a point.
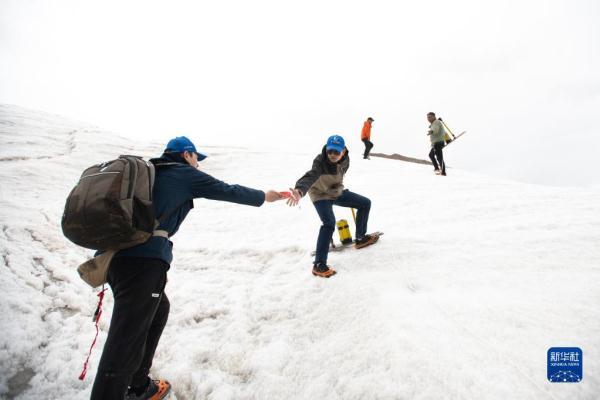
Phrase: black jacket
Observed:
(325, 179)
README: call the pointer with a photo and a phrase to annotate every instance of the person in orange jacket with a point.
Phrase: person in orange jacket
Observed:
(365, 136)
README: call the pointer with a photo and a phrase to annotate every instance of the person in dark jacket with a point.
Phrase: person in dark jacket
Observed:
(138, 275)
(324, 185)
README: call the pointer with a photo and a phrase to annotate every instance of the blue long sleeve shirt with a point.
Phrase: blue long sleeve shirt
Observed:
(175, 187)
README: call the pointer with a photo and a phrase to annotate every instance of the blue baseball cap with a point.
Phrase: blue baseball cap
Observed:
(335, 142)
(181, 144)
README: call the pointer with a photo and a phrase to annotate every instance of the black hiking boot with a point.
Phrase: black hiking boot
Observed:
(156, 390)
(366, 240)
(323, 271)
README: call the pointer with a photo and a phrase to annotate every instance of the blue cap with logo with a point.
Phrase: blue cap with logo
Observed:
(335, 142)
(181, 144)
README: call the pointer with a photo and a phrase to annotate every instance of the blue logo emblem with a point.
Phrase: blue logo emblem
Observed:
(565, 364)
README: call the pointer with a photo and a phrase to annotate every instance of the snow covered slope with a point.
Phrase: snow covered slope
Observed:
(472, 283)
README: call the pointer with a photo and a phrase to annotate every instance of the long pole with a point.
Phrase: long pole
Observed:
(448, 129)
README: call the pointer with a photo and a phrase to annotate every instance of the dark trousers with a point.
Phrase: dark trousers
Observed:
(139, 315)
(325, 211)
(436, 152)
(368, 147)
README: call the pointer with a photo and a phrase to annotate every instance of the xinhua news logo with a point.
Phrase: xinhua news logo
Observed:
(565, 364)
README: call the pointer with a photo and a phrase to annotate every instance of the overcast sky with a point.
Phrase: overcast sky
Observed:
(522, 77)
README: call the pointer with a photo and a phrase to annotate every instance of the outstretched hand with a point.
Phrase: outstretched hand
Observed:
(271, 196)
(295, 197)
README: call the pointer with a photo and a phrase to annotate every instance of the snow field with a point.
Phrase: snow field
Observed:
(474, 279)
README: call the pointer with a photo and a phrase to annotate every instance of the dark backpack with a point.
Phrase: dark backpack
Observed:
(111, 205)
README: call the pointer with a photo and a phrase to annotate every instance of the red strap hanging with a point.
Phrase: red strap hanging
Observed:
(96, 319)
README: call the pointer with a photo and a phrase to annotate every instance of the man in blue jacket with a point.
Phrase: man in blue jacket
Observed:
(138, 275)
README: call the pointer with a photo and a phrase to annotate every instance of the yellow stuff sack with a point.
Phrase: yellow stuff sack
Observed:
(344, 231)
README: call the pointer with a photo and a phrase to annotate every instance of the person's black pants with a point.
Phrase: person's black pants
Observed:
(139, 315)
(436, 152)
(368, 147)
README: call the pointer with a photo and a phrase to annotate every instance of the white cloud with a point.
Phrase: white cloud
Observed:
(253, 72)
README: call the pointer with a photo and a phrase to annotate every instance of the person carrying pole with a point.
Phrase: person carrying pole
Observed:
(437, 135)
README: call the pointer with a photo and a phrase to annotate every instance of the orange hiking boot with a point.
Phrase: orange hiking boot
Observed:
(157, 390)
(323, 271)
(366, 240)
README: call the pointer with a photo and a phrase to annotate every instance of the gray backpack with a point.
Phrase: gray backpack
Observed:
(110, 208)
